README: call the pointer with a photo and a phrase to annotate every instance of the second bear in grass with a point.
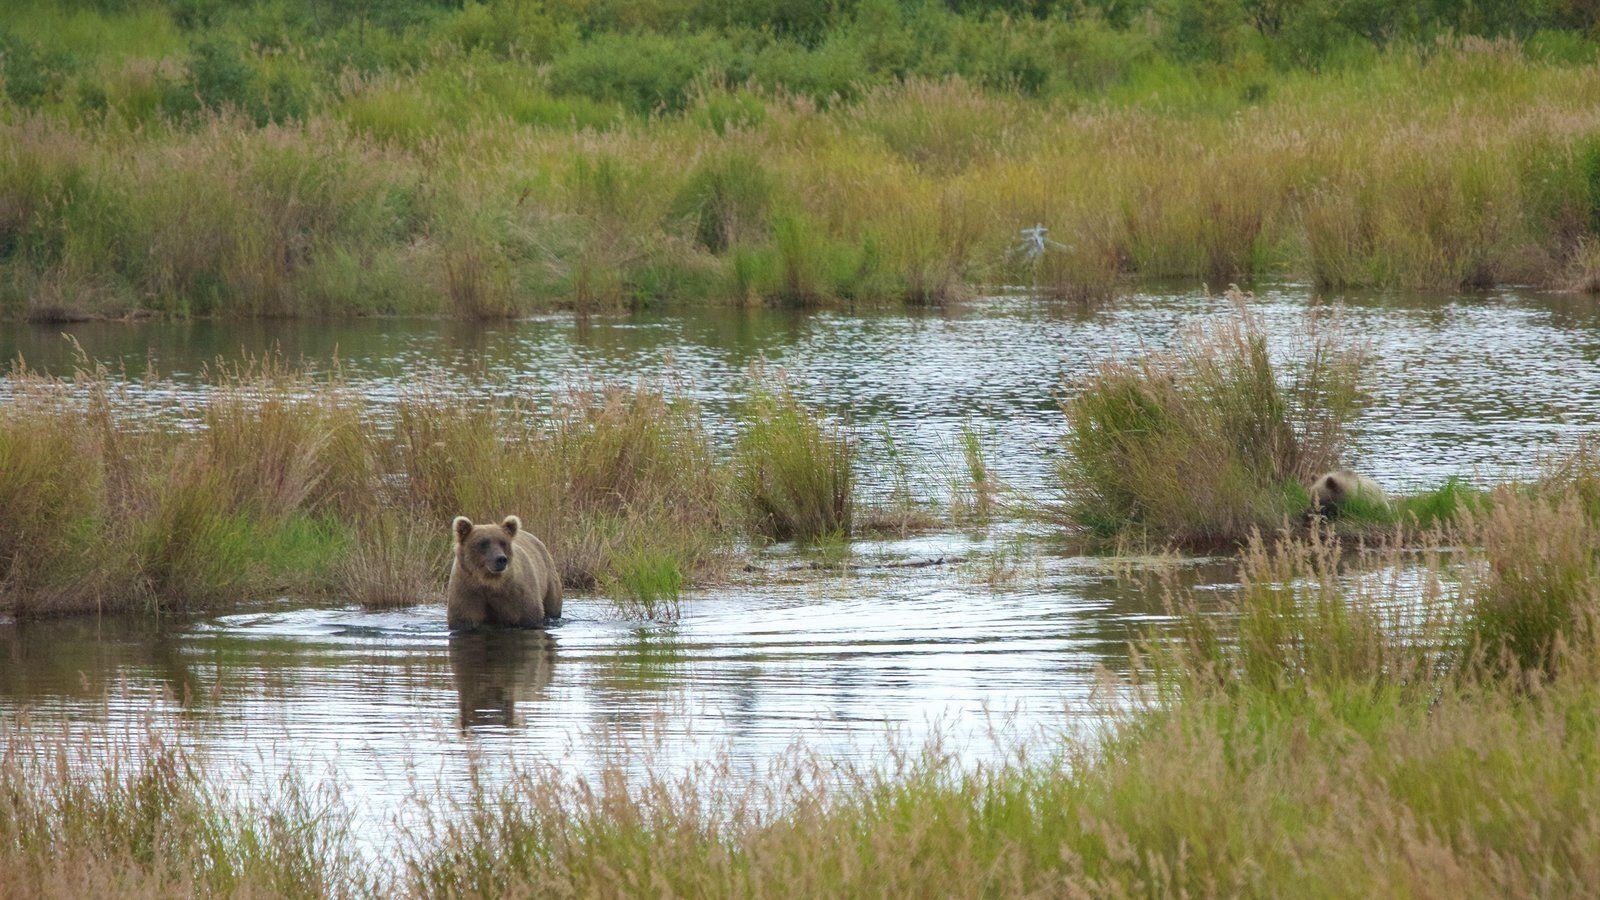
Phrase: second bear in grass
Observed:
(501, 576)
(1341, 490)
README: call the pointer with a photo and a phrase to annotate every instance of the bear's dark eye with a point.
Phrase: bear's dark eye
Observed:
(483, 544)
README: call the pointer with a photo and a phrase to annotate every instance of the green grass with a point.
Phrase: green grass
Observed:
(265, 160)
(1439, 506)
(1212, 442)
(793, 471)
(645, 580)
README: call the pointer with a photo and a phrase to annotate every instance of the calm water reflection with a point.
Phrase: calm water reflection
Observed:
(1475, 386)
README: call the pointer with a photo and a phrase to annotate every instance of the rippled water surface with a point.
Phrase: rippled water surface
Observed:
(972, 634)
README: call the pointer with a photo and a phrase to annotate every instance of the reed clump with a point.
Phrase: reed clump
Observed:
(793, 470)
(1537, 599)
(601, 475)
(1203, 445)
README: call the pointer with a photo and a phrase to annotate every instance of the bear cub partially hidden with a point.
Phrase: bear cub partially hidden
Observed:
(1334, 490)
(501, 576)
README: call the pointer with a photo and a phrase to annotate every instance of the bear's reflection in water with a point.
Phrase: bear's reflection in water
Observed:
(496, 669)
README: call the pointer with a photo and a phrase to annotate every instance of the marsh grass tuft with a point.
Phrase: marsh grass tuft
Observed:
(793, 471)
(1539, 598)
(1206, 444)
(620, 483)
(394, 560)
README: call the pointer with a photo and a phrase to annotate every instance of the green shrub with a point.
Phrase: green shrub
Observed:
(30, 74)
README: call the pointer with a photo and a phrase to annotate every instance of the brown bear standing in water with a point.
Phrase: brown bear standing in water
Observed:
(501, 576)
(1333, 490)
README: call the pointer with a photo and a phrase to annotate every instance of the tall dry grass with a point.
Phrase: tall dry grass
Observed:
(602, 475)
(1538, 594)
(1461, 164)
(273, 482)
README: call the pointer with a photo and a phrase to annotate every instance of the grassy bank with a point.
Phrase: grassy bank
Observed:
(273, 482)
(1345, 726)
(496, 159)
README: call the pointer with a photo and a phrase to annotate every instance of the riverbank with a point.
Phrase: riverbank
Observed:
(194, 173)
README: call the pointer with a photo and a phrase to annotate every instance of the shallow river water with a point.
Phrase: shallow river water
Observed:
(977, 636)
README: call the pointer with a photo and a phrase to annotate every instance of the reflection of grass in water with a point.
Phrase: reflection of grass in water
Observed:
(648, 656)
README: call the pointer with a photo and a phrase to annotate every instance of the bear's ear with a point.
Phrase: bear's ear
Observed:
(512, 525)
(463, 527)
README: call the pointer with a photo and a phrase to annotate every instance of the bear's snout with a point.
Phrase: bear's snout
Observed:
(499, 563)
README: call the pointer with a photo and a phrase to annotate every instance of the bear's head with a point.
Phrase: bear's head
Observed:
(484, 551)
(1328, 491)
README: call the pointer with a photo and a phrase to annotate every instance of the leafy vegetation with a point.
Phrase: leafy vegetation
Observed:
(490, 159)
(1212, 442)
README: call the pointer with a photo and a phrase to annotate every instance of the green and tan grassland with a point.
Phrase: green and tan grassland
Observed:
(479, 160)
